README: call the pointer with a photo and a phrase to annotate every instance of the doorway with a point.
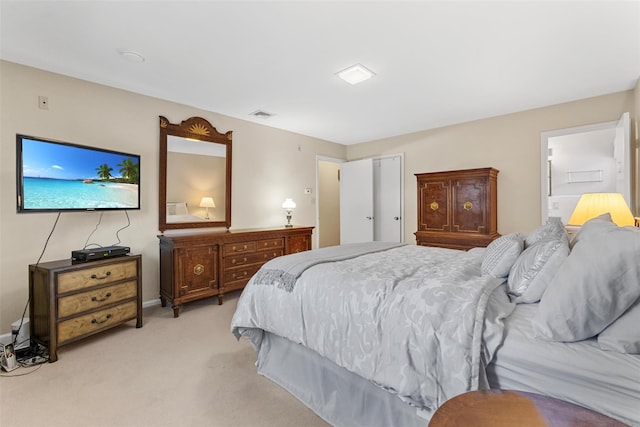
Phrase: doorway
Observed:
(585, 159)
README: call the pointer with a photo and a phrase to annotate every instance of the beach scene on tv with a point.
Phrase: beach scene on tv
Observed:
(59, 176)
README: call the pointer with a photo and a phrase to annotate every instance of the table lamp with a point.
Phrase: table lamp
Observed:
(592, 205)
(288, 205)
(207, 202)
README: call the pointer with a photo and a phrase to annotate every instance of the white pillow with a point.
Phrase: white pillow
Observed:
(501, 254)
(553, 229)
(535, 268)
(623, 335)
(598, 282)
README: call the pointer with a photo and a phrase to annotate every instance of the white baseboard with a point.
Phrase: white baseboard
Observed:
(7, 338)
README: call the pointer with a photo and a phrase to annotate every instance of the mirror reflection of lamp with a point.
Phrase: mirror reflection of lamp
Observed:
(288, 205)
(207, 202)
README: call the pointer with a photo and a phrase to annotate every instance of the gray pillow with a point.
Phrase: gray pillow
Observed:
(553, 229)
(535, 268)
(598, 282)
(592, 227)
(623, 335)
(501, 254)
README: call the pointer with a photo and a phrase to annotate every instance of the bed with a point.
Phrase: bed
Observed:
(179, 212)
(383, 334)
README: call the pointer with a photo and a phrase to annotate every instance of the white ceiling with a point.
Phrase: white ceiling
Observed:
(436, 62)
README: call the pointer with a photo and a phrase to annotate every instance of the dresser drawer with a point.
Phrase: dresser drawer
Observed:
(101, 275)
(96, 298)
(236, 248)
(252, 258)
(270, 244)
(231, 274)
(82, 325)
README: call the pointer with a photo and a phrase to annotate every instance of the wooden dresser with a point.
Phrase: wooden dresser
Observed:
(70, 301)
(457, 209)
(196, 265)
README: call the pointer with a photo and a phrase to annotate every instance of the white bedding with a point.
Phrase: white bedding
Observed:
(578, 372)
(183, 218)
(409, 319)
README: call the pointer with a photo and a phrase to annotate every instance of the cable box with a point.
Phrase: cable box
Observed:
(86, 255)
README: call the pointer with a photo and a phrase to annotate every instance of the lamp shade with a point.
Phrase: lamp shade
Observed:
(207, 202)
(288, 204)
(592, 205)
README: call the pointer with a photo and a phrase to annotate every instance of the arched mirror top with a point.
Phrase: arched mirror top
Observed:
(195, 175)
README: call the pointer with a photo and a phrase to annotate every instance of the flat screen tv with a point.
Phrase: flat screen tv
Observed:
(55, 176)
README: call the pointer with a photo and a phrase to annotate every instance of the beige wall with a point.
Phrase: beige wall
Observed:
(509, 143)
(268, 166)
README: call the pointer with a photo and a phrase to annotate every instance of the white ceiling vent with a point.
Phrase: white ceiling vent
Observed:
(262, 114)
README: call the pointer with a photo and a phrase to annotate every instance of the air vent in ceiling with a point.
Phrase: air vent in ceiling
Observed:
(262, 114)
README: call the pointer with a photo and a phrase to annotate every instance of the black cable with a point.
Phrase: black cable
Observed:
(86, 242)
(46, 243)
(126, 226)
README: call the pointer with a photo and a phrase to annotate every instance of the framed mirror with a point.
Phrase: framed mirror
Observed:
(195, 175)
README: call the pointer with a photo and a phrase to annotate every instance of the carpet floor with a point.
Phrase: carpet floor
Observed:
(188, 371)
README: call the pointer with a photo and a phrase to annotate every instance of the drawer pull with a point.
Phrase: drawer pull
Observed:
(97, 322)
(233, 261)
(106, 297)
(106, 275)
(244, 273)
(238, 249)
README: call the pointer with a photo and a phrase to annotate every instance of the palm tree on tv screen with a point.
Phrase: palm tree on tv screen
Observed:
(104, 171)
(129, 170)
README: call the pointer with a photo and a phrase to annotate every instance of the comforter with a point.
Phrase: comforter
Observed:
(410, 319)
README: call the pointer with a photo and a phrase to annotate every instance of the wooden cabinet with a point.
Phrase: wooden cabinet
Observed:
(196, 265)
(73, 301)
(457, 209)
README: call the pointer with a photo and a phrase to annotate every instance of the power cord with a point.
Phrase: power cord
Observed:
(86, 243)
(126, 226)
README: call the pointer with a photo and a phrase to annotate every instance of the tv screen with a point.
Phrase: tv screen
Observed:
(61, 176)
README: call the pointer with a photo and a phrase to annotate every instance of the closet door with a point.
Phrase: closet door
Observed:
(356, 201)
(387, 177)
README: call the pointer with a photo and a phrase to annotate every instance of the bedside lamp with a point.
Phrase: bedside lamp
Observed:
(207, 202)
(288, 205)
(592, 205)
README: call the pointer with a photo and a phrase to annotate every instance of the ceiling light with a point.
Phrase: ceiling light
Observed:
(131, 56)
(355, 74)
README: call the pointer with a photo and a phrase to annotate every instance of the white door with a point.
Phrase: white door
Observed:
(387, 174)
(356, 201)
(621, 154)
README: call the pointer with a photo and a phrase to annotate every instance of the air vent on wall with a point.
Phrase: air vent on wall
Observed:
(261, 114)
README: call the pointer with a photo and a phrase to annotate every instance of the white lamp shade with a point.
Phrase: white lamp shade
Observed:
(592, 205)
(207, 202)
(288, 204)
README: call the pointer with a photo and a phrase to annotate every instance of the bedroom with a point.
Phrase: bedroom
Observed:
(81, 111)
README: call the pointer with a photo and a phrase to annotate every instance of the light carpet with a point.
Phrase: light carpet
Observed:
(188, 371)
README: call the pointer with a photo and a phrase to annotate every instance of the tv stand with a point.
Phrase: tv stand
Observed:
(70, 301)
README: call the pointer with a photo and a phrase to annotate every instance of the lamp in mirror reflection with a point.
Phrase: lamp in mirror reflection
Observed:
(592, 205)
(207, 202)
(288, 205)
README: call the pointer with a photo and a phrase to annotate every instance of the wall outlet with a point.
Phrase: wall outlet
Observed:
(43, 102)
